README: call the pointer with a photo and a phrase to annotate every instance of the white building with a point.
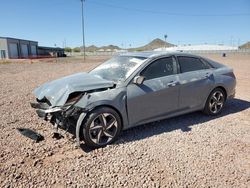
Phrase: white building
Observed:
(202, 47)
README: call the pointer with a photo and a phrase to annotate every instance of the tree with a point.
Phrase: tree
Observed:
(68, 49)
(77, 49)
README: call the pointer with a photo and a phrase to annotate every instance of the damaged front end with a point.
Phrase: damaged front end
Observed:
(55, 101)
(63, 116)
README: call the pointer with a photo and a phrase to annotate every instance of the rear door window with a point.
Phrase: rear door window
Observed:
(188, 64)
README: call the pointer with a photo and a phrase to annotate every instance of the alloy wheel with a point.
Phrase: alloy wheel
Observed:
(216, 102)
(103, 128)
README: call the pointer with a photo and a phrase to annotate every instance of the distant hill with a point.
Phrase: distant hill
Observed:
(91, 48)
(94, 48)
(156, 43)
(110, 47)
(245, 46)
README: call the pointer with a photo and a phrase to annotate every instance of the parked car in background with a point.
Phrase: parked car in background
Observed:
(133, 89)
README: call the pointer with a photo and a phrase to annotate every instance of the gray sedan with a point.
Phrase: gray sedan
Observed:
(133, 89)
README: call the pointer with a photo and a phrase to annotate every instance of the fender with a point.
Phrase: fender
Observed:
(90, 105)
(111, 98)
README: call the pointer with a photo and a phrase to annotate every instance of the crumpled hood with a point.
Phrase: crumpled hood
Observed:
(58, 91)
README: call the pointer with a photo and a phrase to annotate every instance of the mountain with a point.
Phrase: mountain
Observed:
(94, 48)
(91, 48)
(110, 47)
(156, 43)
(245, 46)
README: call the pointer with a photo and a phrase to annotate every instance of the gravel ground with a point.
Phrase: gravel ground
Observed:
(192, 150)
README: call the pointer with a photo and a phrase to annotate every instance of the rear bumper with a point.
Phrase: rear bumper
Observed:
(231, 96)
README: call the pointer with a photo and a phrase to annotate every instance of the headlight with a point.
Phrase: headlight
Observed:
(73, 98)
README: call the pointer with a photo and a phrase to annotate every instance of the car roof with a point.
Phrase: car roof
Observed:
(151, 54)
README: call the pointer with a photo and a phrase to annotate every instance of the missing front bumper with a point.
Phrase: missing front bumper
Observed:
(36, 105)
(45, 113)
(44, 110)
(63, 117)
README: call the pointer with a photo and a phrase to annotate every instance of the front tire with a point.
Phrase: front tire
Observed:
(215, 102)
(102, 127)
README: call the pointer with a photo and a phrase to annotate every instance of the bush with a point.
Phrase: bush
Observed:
(77, 49)
(67, 49)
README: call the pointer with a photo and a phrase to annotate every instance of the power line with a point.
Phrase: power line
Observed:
(163, 12)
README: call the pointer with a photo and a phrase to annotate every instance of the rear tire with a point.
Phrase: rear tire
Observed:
(102, 127)
(215, 102)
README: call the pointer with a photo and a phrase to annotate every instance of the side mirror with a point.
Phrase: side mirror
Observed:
(138, 80)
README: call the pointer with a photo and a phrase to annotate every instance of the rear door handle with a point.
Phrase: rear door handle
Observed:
(172, 83)
(207, 75)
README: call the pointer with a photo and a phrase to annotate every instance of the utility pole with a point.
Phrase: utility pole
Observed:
(83, 38)
(238, 42)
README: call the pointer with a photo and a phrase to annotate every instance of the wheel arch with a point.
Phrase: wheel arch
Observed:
(217, 86)
(84, 115)
(205, 110)
(108, 106)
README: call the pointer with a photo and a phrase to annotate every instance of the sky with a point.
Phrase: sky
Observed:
(126, 23)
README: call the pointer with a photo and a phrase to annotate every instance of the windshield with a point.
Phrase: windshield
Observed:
(118, 68)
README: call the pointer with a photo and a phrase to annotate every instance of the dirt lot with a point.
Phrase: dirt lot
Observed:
(192, 150)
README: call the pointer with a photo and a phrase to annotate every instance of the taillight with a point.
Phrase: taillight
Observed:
(231, 74)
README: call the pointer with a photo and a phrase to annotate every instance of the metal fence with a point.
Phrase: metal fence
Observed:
(91, 53)
(239, 51)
